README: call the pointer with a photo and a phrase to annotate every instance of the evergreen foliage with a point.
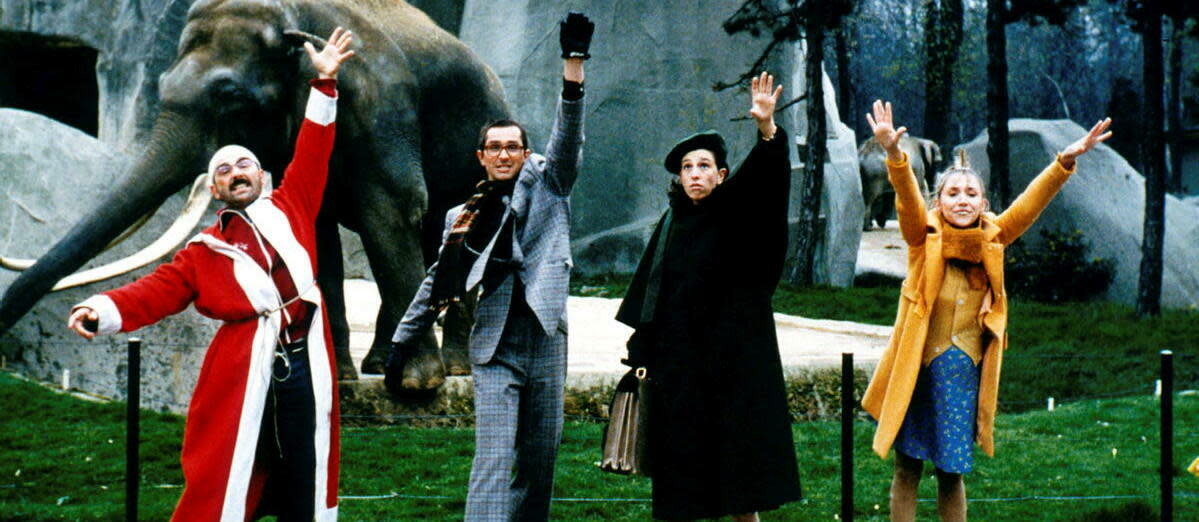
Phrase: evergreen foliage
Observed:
(1057, 269)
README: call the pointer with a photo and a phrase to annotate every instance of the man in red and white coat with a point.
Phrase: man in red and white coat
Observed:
(262, 426)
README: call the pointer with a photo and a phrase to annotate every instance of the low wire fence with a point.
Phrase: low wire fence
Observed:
(1163, 387)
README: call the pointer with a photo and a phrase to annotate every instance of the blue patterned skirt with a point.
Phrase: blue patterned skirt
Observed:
(940, 422)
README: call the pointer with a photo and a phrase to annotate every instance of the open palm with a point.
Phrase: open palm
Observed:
(763, 97)
(328, 61)
(882, 123)
(1097, 135)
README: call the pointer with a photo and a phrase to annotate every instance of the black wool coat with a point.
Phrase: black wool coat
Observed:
(720, 431)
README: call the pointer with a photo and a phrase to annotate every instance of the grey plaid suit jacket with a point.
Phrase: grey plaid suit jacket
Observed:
(540, 206)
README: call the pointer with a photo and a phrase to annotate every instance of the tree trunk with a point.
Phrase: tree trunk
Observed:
(942, 38)
(809, 210)
(997, 104)
(845, 91)
(1153, 158)
(1174, 105)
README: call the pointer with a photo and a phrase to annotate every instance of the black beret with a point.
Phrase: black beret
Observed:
(709, 140)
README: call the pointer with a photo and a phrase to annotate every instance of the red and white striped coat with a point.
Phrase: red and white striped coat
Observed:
(226, 284)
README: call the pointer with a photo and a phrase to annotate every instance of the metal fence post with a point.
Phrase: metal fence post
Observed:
(847, 405)
(1167, 436)
(133, 428)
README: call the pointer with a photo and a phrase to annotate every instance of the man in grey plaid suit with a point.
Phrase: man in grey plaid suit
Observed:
(512, 240)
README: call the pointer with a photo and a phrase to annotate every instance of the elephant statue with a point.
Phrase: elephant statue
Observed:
(924, 155)
(411, 103)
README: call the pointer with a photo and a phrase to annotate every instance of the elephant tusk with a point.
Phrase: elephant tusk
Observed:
(193, 211)
(20, 265)
(16, 265)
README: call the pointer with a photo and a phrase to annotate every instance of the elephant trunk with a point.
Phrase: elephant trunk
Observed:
(168, 163)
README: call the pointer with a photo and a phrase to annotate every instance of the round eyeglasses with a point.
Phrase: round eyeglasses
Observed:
(241, 164)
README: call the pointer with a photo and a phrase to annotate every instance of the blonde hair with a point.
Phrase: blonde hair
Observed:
(961, 165)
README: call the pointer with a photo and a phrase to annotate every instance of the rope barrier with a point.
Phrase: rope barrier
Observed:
(412, 416)
(399, 496)
(1097, 443)
(1045, 498)
(396, 495)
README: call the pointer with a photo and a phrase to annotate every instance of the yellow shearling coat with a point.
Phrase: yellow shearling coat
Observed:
(890, 389)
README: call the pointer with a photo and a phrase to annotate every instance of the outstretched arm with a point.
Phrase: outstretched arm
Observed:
(1025, 210)
(766, 170)
(564, 151)
(166, 291)
(909, 203)
(305, 177)
(421, 313)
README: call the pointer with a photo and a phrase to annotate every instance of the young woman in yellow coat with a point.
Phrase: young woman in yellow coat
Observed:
(934, 391)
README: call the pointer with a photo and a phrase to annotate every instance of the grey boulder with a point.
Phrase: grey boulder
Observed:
(51, 173)
(1105, 199)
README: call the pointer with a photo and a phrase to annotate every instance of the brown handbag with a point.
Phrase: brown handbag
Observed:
(625, 441)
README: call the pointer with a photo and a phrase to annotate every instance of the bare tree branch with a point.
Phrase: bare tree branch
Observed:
(1060, 96)
(753, 69)
(785, 25)
(777, 110)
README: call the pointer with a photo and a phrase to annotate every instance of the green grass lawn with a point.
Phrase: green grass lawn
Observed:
(63, 460)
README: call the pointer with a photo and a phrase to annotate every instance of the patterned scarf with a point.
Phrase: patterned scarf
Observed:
(453, 263)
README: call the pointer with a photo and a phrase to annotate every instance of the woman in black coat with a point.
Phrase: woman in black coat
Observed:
(720, 434)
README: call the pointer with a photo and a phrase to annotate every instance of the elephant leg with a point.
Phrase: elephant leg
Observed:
(331, 279)
(868, 216)
(392, 245)
(870, 196)
(884, 208)
(455, 334)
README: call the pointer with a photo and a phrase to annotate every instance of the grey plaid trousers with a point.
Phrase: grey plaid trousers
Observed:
(518, 412)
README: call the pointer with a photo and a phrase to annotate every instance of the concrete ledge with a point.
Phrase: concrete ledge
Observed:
(367, 401)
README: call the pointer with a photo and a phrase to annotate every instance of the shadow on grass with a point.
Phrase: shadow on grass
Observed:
(1132, 511)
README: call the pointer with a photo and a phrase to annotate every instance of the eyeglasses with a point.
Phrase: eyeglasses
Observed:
(241, 164)
(494, 149)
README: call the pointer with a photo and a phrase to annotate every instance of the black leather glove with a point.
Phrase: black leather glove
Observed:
(574, 35)
(393, 373)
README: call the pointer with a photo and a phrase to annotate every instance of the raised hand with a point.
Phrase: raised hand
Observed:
(574, 35)
(328, 61)
(883, 126)
(1097, 135)
(763, 97)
